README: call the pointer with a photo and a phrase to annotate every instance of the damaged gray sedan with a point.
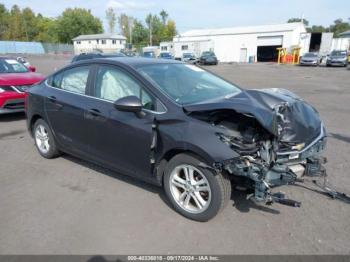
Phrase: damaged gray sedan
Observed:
(180, 127)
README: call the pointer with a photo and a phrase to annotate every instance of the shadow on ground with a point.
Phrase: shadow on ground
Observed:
(12, 117)
(241, 203)
(340, 137)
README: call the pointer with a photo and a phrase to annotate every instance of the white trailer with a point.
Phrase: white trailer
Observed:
(195, 47)
(167, 47)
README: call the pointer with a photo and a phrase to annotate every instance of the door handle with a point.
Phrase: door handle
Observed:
(53, 100)
(94, 112)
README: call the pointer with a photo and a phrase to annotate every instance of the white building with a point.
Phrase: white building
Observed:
(343, 42)
(107, 43)
(167, 47)
(237, 44)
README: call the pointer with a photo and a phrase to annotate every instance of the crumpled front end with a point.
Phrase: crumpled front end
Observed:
(269, 167)
(279, 139)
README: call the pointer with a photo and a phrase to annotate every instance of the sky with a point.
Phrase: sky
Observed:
(202, 14)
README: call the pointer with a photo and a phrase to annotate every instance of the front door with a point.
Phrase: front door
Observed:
(119, 139)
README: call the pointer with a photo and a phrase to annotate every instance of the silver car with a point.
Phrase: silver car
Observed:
(312, 59)
(338, 58)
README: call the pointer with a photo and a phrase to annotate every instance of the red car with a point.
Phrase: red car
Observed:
(15, 78)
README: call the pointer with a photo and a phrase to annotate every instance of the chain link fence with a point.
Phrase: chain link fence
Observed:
(18, 47)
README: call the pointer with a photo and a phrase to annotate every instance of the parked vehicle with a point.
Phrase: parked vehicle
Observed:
(86, 56)
(15, 79)
(177, 126)
(208, 58)
(338, 58)
(150, 51)
(189, 58)
(312, 59)
(165, 55)
(149, 54)
(26, 63)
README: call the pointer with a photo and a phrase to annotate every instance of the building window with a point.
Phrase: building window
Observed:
(121, 42)
(164, 48)
(89, 42)
(184, 47)
(103, 41)
(114, 41)
(78, 42)
(97, 41)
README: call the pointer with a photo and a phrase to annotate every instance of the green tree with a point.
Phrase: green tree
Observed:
(111, 19)
(15, 30)
(295, 20)
(339, 26)
(170, 30)
(46, 30)
(155, 29)
(29, 24)
(123, 21)
(75, 22)
(317, 29)
(164, 15)
(4, 16)
(139, 34)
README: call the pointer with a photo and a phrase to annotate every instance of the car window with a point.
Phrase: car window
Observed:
(74, 79)
(113, 84)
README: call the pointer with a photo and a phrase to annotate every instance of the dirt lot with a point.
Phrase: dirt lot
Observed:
(69, 206)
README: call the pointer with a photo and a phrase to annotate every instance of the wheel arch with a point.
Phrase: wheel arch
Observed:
(168, 155)
(32, 121)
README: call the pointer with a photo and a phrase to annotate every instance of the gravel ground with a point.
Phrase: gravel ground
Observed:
(69, 206)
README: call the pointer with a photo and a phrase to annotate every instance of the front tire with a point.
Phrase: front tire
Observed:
(195, 192)
(44, 140)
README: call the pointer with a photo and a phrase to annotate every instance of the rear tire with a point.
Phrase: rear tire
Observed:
(203, 195)
(44, 140)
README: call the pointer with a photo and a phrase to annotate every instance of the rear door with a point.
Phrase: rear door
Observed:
(66, 103)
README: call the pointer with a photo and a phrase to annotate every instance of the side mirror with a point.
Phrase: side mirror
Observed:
(129, 104)
(32, 68)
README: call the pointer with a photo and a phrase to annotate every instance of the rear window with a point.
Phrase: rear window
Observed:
(12, 66)
(72, 80)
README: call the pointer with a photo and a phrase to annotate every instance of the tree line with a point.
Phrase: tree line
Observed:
(18, 24)
(338, 26)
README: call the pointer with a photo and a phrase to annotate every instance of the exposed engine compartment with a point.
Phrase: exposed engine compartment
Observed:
(259, 152)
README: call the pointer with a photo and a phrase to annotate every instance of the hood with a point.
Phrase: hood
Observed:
(309, 58)
(279, 111)
(17, 79)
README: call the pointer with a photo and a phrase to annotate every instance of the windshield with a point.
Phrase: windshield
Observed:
(310, 55)
(148, 54)
(187, 84)
(338, 53)
(165, 55)
(11, 66)
(187, 55)
(208, 53)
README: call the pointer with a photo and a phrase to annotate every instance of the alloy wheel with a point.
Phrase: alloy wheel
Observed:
(190, 188)
(42, 139)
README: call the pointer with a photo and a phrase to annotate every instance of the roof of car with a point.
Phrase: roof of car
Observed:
(137, 61)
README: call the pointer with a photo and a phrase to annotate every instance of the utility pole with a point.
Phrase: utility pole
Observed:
(25, 27)
(131, 23)
(150, 31)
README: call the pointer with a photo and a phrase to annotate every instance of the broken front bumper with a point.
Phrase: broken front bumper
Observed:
(288, 168)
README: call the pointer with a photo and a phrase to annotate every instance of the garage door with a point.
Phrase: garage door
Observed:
(270, 40)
